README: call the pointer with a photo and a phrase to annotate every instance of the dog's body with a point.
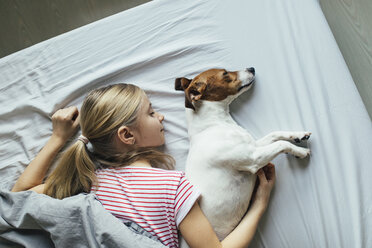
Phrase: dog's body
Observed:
(223, 157)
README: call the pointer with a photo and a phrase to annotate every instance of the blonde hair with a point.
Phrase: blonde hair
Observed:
(104, 110)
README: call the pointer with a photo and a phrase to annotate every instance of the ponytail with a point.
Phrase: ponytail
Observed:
(74, 173)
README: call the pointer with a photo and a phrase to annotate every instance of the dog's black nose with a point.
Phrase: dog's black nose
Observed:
(251, 70)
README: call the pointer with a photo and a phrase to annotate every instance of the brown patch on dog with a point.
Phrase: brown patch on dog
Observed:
(211, 85)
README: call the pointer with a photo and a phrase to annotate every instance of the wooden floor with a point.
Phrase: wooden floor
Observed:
(351, 24)
(26, 22)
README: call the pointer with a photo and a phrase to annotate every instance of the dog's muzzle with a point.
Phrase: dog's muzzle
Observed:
(247, 77)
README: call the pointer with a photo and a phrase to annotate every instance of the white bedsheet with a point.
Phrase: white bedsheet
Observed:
(302, 83)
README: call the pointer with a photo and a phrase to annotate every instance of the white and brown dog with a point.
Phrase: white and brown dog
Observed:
(223, 157)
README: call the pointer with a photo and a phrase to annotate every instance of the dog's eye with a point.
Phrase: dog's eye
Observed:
(225, 73)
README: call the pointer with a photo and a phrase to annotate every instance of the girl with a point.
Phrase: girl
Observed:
(115, 159)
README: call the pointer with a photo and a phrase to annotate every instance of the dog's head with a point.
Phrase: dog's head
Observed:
(215, 85)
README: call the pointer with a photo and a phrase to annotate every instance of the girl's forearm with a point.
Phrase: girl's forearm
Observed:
(34, 173)
(244, 232)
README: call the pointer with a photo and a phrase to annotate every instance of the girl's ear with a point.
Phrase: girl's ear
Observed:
(125, 135)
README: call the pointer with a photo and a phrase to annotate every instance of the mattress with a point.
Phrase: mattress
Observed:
(302, 83)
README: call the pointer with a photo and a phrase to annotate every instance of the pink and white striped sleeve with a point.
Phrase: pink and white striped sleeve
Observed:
(187, 194)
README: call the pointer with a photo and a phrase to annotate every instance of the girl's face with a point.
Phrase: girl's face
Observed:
(150, 131)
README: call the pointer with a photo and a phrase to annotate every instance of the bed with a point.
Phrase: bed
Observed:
(302, 83)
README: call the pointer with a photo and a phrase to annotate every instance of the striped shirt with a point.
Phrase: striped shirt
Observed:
(156, 199)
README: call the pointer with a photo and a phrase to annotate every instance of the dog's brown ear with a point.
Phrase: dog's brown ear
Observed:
(197, 90)
(182, 83)
(194, 94)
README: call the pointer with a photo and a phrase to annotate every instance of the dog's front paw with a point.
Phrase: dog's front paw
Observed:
(302, 153)
(302, 136)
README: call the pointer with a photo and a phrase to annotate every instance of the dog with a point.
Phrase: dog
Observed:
(223, 157)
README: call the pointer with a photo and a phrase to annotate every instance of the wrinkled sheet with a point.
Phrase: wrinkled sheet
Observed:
(302, 83)
(36, 220)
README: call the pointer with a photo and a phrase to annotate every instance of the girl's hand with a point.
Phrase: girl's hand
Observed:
(65, 123)
(264, 185)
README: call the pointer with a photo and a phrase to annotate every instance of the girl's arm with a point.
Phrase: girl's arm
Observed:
(198, 232)
(65, 124)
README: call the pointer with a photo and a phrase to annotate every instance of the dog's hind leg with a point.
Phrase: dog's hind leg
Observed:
(283, 135)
